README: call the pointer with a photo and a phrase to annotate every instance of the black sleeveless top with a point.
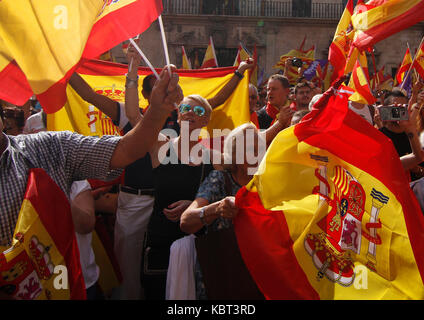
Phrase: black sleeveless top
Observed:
(172, 182)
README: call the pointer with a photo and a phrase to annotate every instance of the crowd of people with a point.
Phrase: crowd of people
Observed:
(163, 207)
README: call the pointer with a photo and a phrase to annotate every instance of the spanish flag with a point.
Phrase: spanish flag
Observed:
(109, 79)
(59, 33)
(186, 61)
(404, 67)
(359, 83)
(339, 48)
(379, 19)
(242, 55)
(210, 61)
(43, 262)
(419, 61)
(332, 213)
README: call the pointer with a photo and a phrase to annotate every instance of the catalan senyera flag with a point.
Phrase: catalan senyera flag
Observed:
(332, 213)
(60, 33)
(359, 83)
(382, 18)
(419, 61)
(109, 79)
(404, 67)
(186, 62)
(210, 61)
(306, 56)
(339, 48)
(44, 246)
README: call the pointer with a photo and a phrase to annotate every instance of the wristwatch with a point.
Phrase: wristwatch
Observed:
(202, 216)
(238, 74)
(131, 83)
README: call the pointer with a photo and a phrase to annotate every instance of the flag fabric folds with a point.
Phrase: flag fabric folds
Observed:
(404, 67)
(210, 61)
(59, 34)
(379, 19)
(339, 48)
(332, 213)
(43, 262)
(419, 61)
(359, 83)
(109, 79)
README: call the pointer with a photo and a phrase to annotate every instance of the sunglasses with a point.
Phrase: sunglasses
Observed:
(197, 110)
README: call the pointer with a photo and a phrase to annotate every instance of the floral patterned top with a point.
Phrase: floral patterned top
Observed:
(213, 189)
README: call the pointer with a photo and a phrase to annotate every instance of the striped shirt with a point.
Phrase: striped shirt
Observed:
(65, 156)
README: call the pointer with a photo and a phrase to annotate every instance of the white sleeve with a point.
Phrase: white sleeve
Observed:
(77, 187)
(123, 120)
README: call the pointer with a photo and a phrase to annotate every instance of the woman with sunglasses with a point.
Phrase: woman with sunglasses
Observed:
(177, 172)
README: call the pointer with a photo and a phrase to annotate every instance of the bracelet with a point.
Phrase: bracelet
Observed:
(131, 83)
(202, 216)
(238, 74)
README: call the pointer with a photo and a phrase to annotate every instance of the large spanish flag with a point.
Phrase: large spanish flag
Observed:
(109, 79)
(48, 38)
(43, 262)
(339, 48)
(382, 18)
(332, 213)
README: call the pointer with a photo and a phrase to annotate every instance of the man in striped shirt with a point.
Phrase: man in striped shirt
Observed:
(68, 157)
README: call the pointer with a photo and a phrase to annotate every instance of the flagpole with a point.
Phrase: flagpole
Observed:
(165, 46)
(412, 64)
(144, 58)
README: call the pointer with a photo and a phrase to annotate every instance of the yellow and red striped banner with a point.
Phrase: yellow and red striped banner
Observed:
(58, 34)
(109, 79)
(379, 19)
(359, 83)
(332, 213)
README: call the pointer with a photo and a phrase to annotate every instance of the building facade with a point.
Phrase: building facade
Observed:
(274, 26)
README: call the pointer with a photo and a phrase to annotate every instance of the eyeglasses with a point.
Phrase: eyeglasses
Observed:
(198, 110)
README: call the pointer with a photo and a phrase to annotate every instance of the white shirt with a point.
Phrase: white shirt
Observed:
(34, 123)
(364, 112)
(90, 270)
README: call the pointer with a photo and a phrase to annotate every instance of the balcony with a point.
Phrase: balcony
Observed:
(255, 8)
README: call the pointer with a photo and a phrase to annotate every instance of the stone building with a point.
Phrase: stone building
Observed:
(275, 26)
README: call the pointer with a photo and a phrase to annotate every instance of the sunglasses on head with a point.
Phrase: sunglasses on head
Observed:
(197, 110)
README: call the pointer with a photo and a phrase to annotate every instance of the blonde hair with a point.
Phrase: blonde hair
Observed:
(230, 144)
(200, 100)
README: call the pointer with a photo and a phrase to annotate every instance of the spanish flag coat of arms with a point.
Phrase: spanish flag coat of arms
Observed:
(332, 213)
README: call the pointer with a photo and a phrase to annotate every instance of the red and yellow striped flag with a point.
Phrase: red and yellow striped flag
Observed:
(43, 262)
(186, 61)
(109, 79)
(419, 61)
(379, 19)
(404, 67)
(339, 48)
(359, 83)
(210, 61)
(332, 213)
(59, 33)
